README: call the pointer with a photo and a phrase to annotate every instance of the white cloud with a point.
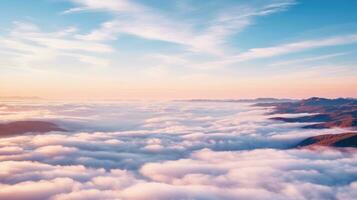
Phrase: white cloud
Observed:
(36, 190)
(111, 5)
(309, 59)
(267, 52)
(28, 46)
(292, 174)
(149, 23)
(279, 50)
(175, 150)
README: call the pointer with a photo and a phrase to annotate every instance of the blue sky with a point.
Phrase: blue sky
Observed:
(178, 49)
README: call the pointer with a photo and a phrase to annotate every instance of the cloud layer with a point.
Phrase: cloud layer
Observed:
(167, 150)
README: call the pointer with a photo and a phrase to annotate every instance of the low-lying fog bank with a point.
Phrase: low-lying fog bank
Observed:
(168, 150)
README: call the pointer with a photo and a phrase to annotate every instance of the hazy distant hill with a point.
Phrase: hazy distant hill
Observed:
(341, 112)
(21, 127)
(332, 140)
(257, 100)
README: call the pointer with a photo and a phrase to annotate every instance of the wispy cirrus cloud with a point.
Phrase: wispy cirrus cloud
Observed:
(309, 59)
(28, 45)
(267, 52)
(208, 35)
(282, 49)
(110, 5)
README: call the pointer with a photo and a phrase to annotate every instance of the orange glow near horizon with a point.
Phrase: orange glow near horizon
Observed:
(278, 88)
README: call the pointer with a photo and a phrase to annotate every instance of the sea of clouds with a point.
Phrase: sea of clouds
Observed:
(167, 150)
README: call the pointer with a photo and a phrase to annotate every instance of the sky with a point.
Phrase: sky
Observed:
(150, 49)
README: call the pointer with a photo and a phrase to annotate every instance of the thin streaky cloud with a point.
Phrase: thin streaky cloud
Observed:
(144, 22)
(279, 50)
(29, 44)
(308, 59)
(106, 5)
(267, 52)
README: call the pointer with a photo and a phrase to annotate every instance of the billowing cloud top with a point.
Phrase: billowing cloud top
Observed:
(167, 150)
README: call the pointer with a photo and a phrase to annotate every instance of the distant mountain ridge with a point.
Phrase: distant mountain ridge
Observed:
(257, 100)
(331, 140)
(327, 113)
(21, 127)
